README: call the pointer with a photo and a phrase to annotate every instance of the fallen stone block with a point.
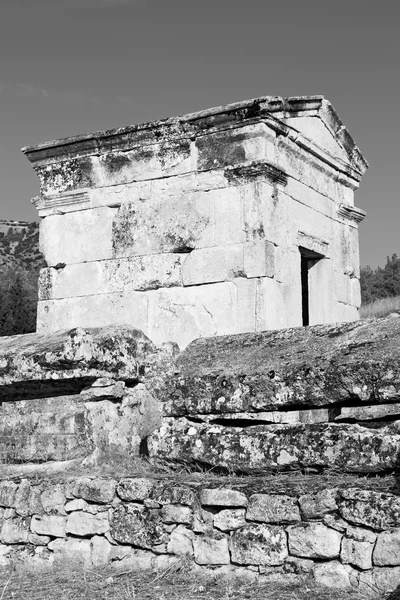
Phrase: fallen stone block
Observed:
(266, 448)
(311, 366)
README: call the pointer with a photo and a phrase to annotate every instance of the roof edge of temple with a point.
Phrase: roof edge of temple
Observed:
(190, 125)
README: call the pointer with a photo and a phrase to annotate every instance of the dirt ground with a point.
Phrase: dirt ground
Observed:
(109, 585)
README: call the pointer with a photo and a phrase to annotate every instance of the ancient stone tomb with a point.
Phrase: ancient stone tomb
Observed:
(236, 219)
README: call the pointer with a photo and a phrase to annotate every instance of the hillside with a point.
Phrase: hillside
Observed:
(20, 262)
(19, 246)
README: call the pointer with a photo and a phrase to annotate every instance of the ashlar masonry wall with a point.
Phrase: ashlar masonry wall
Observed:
(236, 219)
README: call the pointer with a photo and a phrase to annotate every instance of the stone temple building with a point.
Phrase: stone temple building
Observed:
(235, 219)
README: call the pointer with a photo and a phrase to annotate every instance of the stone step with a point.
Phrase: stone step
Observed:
(308, 367)
(267, 448)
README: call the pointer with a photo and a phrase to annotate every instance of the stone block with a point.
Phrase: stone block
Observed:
(310, 197)
(146, 162)
(246, 303)
(230, 519)
(101, 551)
(53, 525)
(53, 500)
(271, 310)
(380, 580)
(38, 540)
(356, 553)
(74, 552)
(271, 447)
(28, 498)
(164, 224)
(15, 531)
(134, 489)
(101, 491)
(228, 217)
(181, 541)
(314, 540)
(123, 275)
(8, 490)
(169, 493)
(315, 506)
(130, 524)
(76, 237)
(332, 575)
(94, 311)
(270, 508)
(211, 265)
(259, 259)
(355, 292)
(344, 313)
(367, 413)
(368, 508)
(183, 314)
(258, 544)
(211, 550)
(84, 524)
(77, 504)
(235, 147)
(345, 250)
(387, 549)
(342, 288)
(222, 497)
(176, 513)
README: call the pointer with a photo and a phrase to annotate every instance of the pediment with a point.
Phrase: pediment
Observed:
(314, 128)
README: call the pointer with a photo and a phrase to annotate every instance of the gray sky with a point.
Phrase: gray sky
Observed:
(75, 66)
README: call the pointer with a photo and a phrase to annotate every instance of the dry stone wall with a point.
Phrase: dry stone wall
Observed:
(345, 537)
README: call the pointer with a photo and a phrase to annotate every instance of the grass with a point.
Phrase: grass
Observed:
(380, 308)
(109, 585)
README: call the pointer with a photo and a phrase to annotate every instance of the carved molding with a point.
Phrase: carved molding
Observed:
(256, 169)
(351, 212)
(313, 243)
(60, 200)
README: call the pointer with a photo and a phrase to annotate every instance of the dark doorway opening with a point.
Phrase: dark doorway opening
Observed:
(305, 303)
(308, 260)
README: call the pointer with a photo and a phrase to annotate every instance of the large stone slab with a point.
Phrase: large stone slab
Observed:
(265, 448)
(34, 364)
(313, 366)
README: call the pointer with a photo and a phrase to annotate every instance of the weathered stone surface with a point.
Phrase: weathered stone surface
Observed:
(72, 551)
(77, 504)
(53, 525)
(315, 366)
(84, 524)
(356, 553)
(387, 549)
(130, 524)
(28, 499)
(176, 513)
(351, 448)
(36, 363)
(379, 581)
(100, 491)
(314, 540)
(181, 541)
(211, 550)
(8, 490)
(134, 489)
(315, 506)
(38, 540)
(268, 508)
(332, 575)
(367, 413)
(257, 544)
(53, 500)
(176, 494)
(230, 519)
(222, 497)
(372, 509)
(15, 531)
(100, 551)
(115, 275)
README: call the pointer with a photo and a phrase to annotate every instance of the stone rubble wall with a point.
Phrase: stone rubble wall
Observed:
(197, 224)
(345, 537)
